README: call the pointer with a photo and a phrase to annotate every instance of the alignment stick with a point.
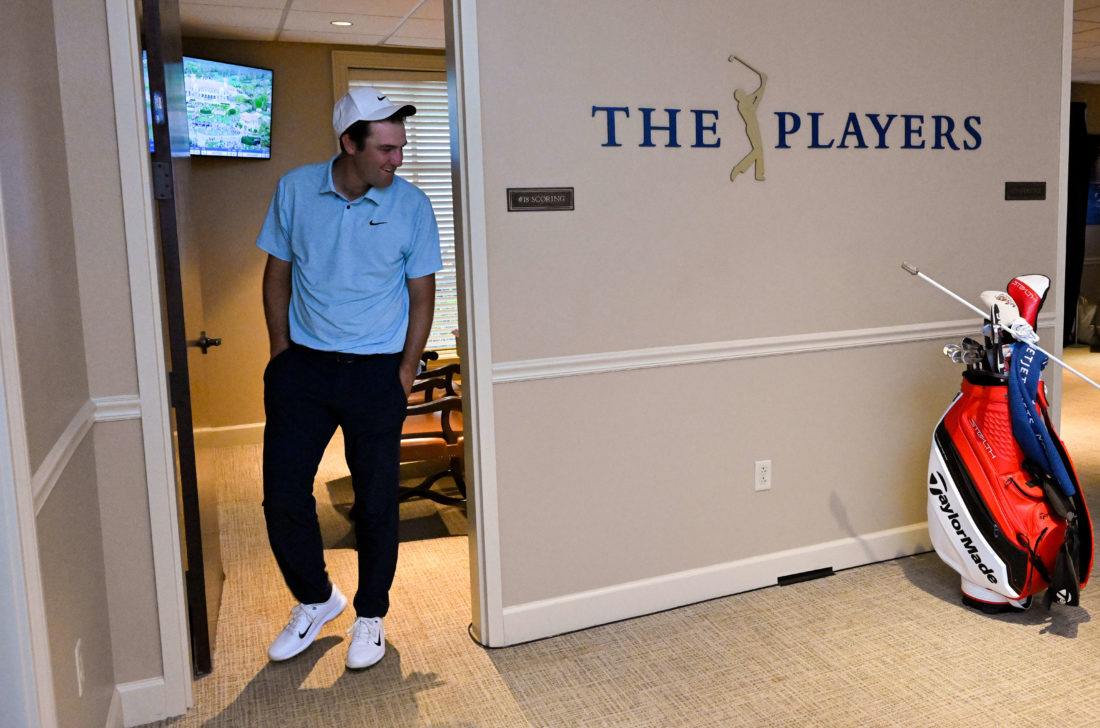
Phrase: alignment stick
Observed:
(913, 270)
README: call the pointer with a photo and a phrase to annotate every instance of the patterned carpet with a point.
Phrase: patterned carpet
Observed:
(881, 645)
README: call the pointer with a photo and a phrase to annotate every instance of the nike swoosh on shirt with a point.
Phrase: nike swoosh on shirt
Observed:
(373, 223)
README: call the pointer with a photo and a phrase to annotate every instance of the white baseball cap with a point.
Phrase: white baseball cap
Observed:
(364, 104)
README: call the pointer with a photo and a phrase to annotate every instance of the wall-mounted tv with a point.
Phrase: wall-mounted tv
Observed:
(228, 108)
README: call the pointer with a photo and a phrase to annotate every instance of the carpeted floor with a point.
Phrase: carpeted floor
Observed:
(882, 645)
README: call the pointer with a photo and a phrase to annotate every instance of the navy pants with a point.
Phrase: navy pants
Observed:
(307, 394)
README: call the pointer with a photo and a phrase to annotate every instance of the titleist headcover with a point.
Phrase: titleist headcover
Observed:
(1029, 292)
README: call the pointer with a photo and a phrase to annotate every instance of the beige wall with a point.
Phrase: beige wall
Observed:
(44, 216)
(40, 234)
(229, 198)
(74, 581)
(614, 478)
(103, 276)
(1088, 93)
(87, 104)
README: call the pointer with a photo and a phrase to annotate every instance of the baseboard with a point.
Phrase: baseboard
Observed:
(545, 618)
(114, 713)
(142, 701)
(251, 434)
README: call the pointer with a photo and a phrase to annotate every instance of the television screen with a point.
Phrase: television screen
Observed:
(228, 109)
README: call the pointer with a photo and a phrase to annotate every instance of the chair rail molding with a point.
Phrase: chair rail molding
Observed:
(618, 361)
(117, 408)
(55, 462)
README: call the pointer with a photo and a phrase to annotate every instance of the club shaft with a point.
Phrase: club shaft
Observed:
(957, 297)
(914, 271)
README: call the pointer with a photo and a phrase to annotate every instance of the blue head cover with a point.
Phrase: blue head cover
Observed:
(1029, 427)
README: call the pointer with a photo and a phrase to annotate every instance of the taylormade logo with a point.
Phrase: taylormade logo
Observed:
(965, 541)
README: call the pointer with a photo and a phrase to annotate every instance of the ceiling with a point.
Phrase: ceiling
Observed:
(1086, 41)
(415, 23)
(419, 24)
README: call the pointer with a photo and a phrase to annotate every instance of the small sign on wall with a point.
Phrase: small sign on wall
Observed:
(536, 199)
(1025, 190)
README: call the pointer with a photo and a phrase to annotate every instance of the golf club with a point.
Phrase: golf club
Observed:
(913, 270)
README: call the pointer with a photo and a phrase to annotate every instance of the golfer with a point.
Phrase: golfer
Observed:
(349, 294)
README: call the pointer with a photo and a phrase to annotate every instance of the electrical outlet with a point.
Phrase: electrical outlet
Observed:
(79, 654)
(763, 474)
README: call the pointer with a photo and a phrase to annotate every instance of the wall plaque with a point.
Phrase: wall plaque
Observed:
(1025, 190)
(534, 199)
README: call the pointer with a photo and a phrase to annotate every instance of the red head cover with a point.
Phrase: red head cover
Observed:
(1029, 292)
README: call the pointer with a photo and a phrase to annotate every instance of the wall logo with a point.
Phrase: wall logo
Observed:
(747, 104)
(844, 131)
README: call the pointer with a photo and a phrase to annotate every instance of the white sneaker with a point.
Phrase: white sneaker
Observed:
(368, 642)
(306, 621)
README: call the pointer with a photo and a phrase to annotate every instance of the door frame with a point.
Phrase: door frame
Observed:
(475, 345)
(171, 694)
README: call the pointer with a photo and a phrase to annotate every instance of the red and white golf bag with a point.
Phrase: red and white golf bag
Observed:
(1005, 509)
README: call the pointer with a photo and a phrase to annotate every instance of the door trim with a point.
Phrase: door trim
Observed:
(139, 223)
(471, 249)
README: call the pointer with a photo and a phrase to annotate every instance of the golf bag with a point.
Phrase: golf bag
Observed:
(1005, 509)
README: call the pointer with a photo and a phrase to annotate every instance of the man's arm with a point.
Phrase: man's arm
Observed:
(421, 312)
(276, 287)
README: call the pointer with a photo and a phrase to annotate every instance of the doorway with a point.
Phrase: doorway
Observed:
(229, 198)
(473, 345)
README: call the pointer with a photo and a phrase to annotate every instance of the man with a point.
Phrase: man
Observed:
(349, 294)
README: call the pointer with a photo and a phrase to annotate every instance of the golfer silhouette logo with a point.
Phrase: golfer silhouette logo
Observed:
(747, 104)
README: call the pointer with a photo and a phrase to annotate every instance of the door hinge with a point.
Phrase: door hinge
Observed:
(162, 180)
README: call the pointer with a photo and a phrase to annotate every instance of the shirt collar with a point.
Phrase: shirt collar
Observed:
(326, 183)
(374, 194)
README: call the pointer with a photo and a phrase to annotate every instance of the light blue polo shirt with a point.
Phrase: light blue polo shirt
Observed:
(350, 259)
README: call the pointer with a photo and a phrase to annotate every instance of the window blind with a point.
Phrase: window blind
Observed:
(427, 164)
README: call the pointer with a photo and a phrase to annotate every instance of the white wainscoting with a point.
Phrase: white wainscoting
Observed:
(539, 619)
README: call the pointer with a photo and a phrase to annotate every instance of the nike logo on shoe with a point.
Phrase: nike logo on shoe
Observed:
(305, 621)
